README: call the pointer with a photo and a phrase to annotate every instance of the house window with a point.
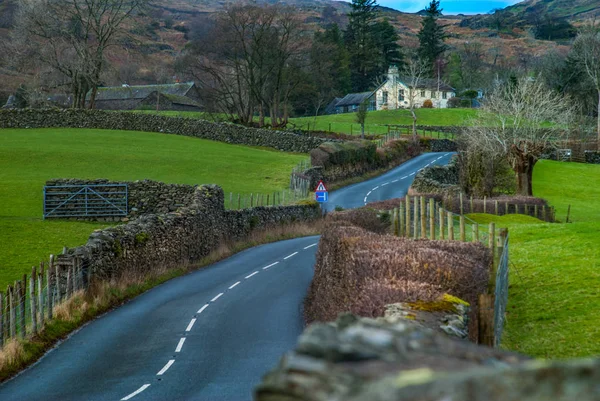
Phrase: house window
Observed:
(372, 105)
(444, 95)
(401, 95)
(423, 94)
(385, 97)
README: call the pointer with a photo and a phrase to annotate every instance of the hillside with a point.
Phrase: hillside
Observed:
(162, 32)
(570, 9)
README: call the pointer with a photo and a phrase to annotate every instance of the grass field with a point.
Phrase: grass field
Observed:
(29, 157)
(376, 122)
(554, 296)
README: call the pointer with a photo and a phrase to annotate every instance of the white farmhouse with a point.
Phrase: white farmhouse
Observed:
(397, 93)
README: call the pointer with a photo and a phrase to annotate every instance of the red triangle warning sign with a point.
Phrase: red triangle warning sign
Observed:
(321, 187)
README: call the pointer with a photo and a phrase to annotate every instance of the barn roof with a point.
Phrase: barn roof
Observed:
(354, 98)
(141, 91)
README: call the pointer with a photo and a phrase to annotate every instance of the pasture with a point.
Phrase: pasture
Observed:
(29, 157)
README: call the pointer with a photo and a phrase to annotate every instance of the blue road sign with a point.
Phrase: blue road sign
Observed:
(322, 196)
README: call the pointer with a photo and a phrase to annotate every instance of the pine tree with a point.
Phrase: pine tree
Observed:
(431, 35)
(360, 43)
(372, 45)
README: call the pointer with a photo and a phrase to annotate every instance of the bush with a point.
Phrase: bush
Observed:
(454, 102)
(427, 104)
(360, 272)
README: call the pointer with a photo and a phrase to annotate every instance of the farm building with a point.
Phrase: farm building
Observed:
(179, 97)
(397, 93)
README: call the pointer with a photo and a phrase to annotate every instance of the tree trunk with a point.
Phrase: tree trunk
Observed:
(362, 130)
(524, 171)
(598, 144)
(414, 124)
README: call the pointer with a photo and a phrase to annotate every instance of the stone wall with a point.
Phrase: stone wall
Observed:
(177, 238)
(388, 360)
(144, 196)
(592, 157)
(114, 120)
(441, 180)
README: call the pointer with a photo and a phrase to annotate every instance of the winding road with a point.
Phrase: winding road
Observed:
(209, 335)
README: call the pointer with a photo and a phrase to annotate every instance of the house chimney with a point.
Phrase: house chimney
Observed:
(393, 74)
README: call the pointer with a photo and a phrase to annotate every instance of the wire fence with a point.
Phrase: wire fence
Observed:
(421, 217)
(29, 303)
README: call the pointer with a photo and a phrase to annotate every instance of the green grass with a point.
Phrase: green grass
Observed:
(30, 157)
(377, 121)
(554, 295)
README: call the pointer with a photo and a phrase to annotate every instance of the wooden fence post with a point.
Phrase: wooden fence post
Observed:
(423, 218)
(492, 246)
(463, 236)
(431, 218)
(2, 315)
(475, 233)
(535, 211)
(407, 222)
(395, 221)
(544, 213)
(441, 219)
(68, 290)
(450, 227)
(496, 207)
(486, 320)
(505, 207)
(12, 312)
(33, 300)
(239, 201)
(568, 213)
(471, 204)
(462, 210)
(49, 289)
(401, 219)
(58, 285)
(416, 217)
(485, 204)
(23, 295)
(40, 288)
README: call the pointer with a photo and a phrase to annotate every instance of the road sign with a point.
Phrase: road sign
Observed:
(321, 196)
(321, 187)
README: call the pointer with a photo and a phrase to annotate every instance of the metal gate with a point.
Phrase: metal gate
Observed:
(62, 201)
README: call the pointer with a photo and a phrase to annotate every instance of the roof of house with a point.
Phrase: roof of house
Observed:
(330, 109)
(429, 83)
(127, 92)
(184, 100)
(354, 98)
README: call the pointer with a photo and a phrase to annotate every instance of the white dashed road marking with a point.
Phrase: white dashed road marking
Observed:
(402, 178)
(365, 200)
(412, 174)
(136, 392)
(395, 180)
(191, 324)
(383, 185)
(376, 188)
(180, 344)
(250, 275)
(369, 193)
(272, 264)
(166, 367)
(233, 286)
(310, 246)
(289, 256)
(202, 309)
(217, 297)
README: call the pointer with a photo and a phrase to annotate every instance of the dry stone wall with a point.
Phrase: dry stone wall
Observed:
(114, 120)
(177, 238)
(143, 197)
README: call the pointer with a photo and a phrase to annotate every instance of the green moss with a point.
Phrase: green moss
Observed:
(142, 238)
(454, 300)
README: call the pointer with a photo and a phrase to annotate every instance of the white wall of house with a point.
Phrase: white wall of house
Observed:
(395, 94)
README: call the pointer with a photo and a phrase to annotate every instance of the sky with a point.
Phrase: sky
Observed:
(449, 6)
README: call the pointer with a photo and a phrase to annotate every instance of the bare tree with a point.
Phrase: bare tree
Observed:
(415, 70)
(247, 61)
(72, 37)
(586, 50)
(361, 116)
(513, 123)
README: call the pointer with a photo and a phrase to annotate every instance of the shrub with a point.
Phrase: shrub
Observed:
(427, 104)
(360, 272)
(454, 102)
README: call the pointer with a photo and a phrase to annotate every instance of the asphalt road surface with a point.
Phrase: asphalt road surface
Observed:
(209, 335)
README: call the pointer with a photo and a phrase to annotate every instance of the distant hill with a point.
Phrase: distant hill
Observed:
(163, 31)
(570, 9)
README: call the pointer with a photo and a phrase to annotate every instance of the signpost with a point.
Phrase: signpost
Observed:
(321, 194)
